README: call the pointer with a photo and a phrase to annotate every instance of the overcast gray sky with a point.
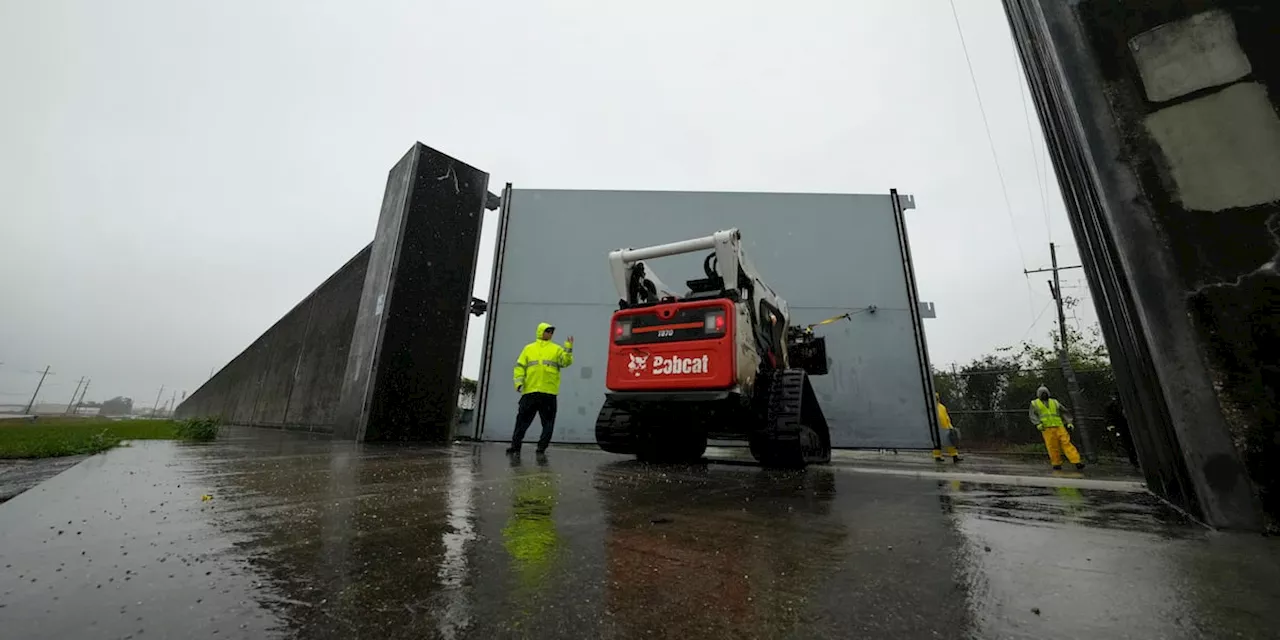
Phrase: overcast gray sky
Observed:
(175, 176)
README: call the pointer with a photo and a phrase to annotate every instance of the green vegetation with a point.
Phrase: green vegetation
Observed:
(52, 437)
(198, 429)
(468, 387)
(1037, 448)
(988, 397)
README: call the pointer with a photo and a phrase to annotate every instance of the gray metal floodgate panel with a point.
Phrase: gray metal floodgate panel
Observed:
(824, 254)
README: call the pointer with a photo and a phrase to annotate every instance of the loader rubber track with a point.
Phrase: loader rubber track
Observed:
(795, 432)
(614, 430)
(647, 435)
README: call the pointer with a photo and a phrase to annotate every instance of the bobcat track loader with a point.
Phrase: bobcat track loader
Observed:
(719, 361)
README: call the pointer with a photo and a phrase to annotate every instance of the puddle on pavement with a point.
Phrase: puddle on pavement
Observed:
(303, 537)
(1139, 512)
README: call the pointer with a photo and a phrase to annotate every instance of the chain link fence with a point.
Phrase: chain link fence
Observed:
(990, 407)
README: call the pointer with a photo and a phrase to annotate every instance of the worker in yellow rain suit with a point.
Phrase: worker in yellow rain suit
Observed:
(1047, 415)
(944, 422)
(537, 379)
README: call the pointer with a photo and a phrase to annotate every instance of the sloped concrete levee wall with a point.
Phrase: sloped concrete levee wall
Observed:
(291, 376)
(1162, 119)
(375, 353)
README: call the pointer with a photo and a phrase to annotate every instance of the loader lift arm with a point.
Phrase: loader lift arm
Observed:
(728, 269)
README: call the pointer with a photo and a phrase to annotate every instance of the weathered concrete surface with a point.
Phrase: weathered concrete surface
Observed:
(1181, 57)
(1223, 150)
(291, 376)
(1218, 258)
(313, 538)
(1190, 294)
(405, 360)
(382, 339)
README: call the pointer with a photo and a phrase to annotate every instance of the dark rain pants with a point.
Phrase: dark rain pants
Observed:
(543, 404)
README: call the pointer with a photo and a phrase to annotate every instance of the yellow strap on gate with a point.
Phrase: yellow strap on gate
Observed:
(843, 316)
(848, 315)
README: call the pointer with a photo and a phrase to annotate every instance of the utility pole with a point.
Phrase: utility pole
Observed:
(1064, 360)
(171, 399)
(155, 407)
(73, 396)
(82, 392)
(38, 385)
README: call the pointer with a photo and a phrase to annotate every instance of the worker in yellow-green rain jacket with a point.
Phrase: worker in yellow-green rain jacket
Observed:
(537, 378)
(946, 433)
(1046, 414)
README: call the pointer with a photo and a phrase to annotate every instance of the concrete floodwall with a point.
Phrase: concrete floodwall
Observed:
(404, 364)
(374, 353)
(1162, 124)
(291, 376)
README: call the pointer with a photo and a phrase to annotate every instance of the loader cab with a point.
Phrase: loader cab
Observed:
(771, 328)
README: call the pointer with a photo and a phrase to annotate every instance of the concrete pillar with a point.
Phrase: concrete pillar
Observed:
(1162, 118)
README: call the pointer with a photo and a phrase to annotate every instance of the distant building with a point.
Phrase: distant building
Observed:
(48, 409)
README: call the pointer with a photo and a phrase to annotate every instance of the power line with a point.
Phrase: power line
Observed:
(1035, 156)
(1031, 300)
(1042, 167)
(1047, 166)
(986, 124)
(1036, 321)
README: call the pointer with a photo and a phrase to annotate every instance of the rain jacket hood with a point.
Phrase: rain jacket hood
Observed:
(538, 367)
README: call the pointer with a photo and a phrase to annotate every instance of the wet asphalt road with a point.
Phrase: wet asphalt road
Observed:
(317, 539)
(17, 476)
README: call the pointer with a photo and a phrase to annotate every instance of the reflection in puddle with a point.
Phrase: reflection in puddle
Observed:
(699, 553)
(1065, 505)
(339, 540)
(1073, 572)
(530, 535)
(460, 510)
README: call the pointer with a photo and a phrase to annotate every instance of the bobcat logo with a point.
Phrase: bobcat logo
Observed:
(638, 364)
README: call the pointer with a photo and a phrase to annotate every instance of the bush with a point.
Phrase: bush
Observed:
(199, 429)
